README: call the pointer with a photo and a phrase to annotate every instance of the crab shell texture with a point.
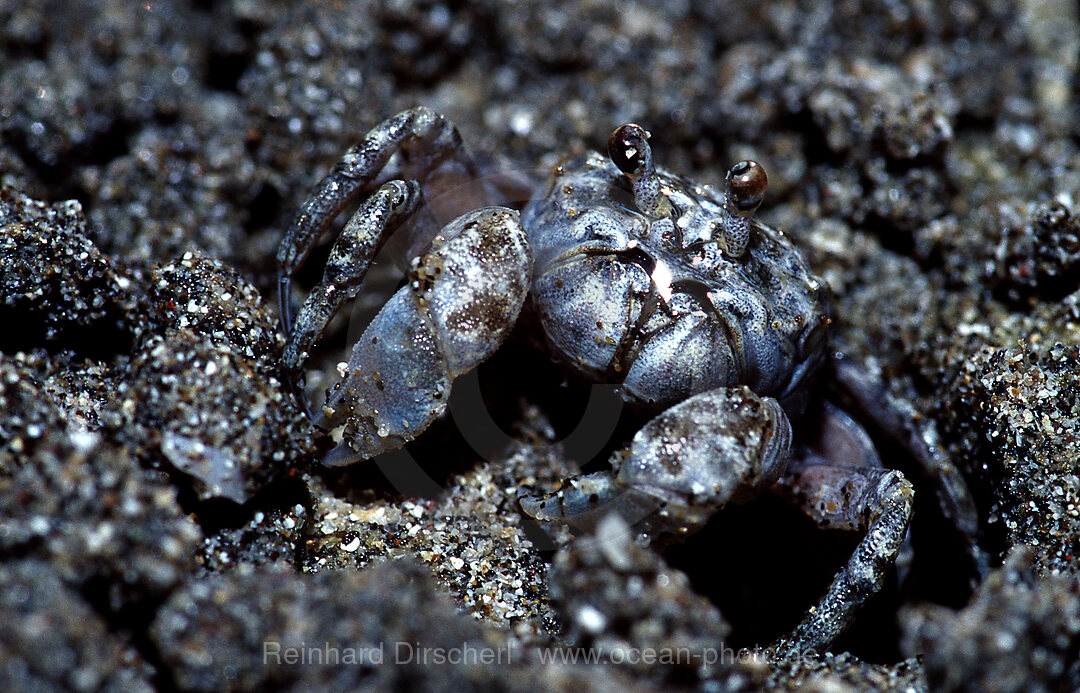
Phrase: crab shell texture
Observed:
(673, 458)
(656, 303)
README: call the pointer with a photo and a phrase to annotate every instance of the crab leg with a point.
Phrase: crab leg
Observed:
(461, 301)
(877, 501)
(585, 500)
(349, 260)
(429, 146)
(899, 420)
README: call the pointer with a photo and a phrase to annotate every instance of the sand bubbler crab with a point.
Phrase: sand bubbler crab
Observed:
(669, 288)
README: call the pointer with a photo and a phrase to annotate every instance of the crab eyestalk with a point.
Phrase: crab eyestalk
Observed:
(629, 150)
(746, 182)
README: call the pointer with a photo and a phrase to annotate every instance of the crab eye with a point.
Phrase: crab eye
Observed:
(403, 194)
(747, 181)
(627, 147)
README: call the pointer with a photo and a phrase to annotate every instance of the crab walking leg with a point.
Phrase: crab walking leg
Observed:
(352, 253)
(426, 140)
(875, 500)
(461, 301)
(585, 500)
(864, 385)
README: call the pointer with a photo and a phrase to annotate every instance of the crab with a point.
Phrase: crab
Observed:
(669, 288)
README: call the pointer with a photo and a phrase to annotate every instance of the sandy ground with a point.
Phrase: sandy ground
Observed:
(164, 524)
